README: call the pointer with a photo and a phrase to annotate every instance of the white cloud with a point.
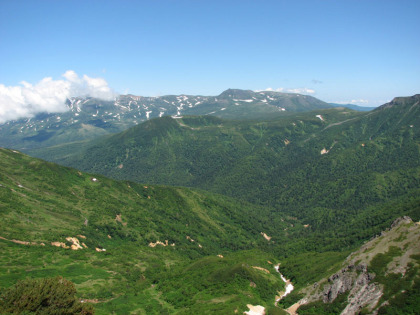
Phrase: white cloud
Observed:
(48, 95)
(285, 90)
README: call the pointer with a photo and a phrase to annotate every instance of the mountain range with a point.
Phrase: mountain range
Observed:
(88, 118)
(354, 107)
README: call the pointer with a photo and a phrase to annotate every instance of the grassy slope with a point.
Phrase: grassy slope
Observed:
(42, 202)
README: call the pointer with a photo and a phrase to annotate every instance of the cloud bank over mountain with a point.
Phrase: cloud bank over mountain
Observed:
(49, 95)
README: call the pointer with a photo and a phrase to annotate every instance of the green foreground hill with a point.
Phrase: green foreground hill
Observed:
(130, 247)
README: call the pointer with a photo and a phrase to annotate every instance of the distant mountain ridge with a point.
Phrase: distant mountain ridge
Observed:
(354, 107)
(89, 118)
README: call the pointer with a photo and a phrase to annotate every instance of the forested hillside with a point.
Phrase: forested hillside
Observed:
(161, 250)
(340, 172)
(131, 247)
(303, 192)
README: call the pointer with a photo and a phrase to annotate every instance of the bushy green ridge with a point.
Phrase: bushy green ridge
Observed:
(42, 202)
(370, 174)
(401, 289)
(222, 281)
(43, 296)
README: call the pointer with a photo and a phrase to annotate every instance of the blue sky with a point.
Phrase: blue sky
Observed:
(360, 51)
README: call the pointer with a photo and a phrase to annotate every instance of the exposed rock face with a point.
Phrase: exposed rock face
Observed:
(355, 279)
(361, 296)
(398, 221)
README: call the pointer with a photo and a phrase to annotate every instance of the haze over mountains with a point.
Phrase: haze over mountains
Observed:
(290, 180)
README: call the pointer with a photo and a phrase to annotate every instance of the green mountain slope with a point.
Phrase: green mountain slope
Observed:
(335, 170)
(125, 245)
(167, 250)
(192, 151)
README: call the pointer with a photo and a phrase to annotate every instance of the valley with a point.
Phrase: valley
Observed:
(201, 214)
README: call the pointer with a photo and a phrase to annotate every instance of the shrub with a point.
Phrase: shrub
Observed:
(43, 296)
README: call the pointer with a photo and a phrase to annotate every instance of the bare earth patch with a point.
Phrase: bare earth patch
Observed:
(76, 244)
(292, 309)
(260, 268)
(59, 244)
(266, 236)
(255, 310)
(119, 219)
(21, 242)
(151, 244)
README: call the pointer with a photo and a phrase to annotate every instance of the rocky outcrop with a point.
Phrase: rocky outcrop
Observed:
(398, 221)
(357, 280)
(363, 290)
(366, 295)
(151, 244)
